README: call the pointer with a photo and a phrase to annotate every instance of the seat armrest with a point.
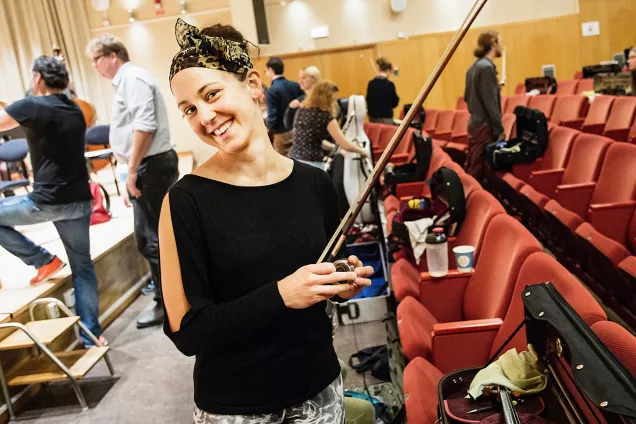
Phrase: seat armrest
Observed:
(473, 326)
(612, 219)
(573, 123)
(461, 138)
(444, 297)
(413, 189)
(523, 170)
(443, 135)
(593, 128)
(575, 197)
(463, 344)
(546, 181)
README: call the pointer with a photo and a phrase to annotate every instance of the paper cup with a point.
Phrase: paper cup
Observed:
(464, 258)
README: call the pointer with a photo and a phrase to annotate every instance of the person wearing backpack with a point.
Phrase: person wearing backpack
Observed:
(55, 128)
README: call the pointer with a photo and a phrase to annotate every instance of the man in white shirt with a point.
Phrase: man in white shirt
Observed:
(140, 138)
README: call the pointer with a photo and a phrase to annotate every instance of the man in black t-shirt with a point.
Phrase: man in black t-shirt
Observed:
(54, 127)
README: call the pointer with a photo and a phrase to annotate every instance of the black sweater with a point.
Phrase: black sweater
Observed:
(381, 98)
(253, 354)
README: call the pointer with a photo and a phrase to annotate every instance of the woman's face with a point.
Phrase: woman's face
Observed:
(221, 110)
(306, 81)
(631, 60)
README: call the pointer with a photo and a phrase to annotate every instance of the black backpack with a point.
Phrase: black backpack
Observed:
(418, 120)
(411, 172)
(545, 85)
(531, 141)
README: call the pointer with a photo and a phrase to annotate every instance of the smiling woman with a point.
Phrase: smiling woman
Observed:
(236, 239)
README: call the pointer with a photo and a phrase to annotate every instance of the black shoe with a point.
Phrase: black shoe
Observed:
(151, 318)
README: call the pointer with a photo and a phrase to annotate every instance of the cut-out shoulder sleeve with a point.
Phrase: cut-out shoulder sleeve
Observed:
(194, 320)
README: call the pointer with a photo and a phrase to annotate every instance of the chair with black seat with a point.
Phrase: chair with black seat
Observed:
(98, 135)
(14, 151)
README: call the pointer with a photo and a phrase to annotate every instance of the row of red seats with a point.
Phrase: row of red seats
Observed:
(575, 86)
(461, 319)
(580, 198)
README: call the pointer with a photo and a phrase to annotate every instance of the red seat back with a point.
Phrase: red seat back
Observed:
(461, 104)
(504, 102)
(373, 131)
(578, 75)
(406, 144)
(490, 287)
(538, 268)
(617, 179)
(620, 341)
(598, 114)
(481, 208)
(586, 158)
(445, 120)
(567, 87)
(585, 85)
(460, 123)
(568, 108)
(520, 89)
(509, 120)
(558, 151)
(430, 121)
(620, 118)
(469, 184)
(386, 133)
(514, 101)
(544, 103)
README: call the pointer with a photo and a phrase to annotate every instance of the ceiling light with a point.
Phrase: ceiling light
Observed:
(131, 17)
(183, 6)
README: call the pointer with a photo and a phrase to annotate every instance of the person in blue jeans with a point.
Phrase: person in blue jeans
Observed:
(55, 128)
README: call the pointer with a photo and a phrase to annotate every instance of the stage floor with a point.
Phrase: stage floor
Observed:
(16, 292)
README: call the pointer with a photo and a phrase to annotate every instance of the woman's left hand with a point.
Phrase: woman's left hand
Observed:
(361, 282)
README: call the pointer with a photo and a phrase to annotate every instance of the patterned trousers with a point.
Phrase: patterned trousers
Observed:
(327, 407)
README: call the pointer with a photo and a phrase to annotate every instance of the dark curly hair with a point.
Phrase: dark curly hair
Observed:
(53, 72)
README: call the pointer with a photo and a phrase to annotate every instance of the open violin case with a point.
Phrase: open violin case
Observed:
(586, 383)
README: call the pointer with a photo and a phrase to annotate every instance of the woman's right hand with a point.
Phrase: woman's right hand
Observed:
(312, 284)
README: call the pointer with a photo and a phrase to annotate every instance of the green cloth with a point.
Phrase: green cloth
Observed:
(521, 372)
(357, 411)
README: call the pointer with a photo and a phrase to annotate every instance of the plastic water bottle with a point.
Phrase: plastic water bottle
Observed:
(437, 253)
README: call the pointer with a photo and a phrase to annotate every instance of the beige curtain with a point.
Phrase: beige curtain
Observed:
(29, 28)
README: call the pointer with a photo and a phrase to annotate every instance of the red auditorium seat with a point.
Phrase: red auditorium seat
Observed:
(585, 85)
(444, 125)
(569, 108)
(567, 87)
(620, 118)
(484, 295)
(632, 133)
(509, 121)
(430, 121)
(597, 115)
(373, 131)
(555, 158)
(611, 199)
(459, 136)
(578, 75)
(438, 159)
(481, 208)
(386, 132)
(520, 89)
(621, 342)
(544, 103)
(461, 104)
(504, 102)
(420, 375)
(514, 101)
(405, 148)
(582, 170)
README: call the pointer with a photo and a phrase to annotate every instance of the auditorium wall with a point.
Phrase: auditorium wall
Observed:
(539, 39)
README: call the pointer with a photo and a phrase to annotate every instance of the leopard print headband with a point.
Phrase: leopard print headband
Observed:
(198, 50)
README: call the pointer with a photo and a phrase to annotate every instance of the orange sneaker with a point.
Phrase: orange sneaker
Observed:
(48, 271)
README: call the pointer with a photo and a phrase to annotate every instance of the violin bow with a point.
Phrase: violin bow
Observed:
(340, 235)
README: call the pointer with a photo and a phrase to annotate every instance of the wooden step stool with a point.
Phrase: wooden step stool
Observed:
(44, 366)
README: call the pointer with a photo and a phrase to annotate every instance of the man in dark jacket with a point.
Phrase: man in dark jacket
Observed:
(279, 96)
(484, 102)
